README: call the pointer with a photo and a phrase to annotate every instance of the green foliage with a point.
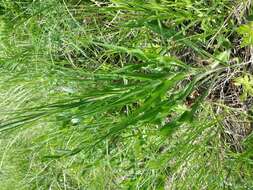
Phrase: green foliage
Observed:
(247, 84)
(122, 94)
(246, 31)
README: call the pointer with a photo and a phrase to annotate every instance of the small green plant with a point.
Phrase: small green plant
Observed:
(246, 31)
(247, 84)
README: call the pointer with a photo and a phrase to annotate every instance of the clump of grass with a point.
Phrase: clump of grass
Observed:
(125, 95)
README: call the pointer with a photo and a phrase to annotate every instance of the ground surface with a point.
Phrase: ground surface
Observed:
(126, 94)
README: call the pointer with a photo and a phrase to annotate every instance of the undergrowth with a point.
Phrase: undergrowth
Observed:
(126, 94)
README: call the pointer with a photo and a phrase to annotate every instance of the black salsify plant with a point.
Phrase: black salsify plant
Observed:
(156, 93)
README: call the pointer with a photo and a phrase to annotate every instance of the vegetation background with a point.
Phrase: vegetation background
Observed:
(126, 94)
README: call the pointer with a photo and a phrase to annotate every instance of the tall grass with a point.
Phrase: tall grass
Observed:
(125, 94)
